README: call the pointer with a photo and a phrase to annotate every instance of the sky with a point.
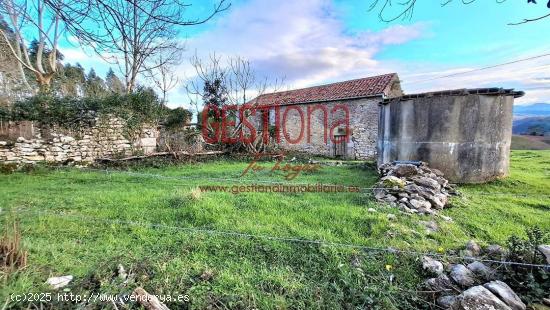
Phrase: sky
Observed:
(312, 42)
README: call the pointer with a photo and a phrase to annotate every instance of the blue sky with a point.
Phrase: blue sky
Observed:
(312, 42)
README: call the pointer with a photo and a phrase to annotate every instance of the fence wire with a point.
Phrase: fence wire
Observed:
(97, 220)
(244, 180)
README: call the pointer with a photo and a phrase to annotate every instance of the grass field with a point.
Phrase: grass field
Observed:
(157, 224)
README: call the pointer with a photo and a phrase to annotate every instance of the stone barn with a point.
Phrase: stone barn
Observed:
(316, 120)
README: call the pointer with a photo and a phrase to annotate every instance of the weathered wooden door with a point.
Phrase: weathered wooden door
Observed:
(340, 146)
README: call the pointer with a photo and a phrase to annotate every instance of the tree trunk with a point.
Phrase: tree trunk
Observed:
(44, 81)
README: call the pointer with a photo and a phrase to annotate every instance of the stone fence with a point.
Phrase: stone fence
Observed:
(30, 142)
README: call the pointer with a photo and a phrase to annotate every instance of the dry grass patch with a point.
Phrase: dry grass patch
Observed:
(12, 254)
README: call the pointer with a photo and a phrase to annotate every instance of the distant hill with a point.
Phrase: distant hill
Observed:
(536, 109)
(527, 125)
(529, 143)
(531, 118)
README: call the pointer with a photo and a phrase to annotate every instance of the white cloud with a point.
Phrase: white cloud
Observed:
(88, 60)
(308, 43)
(304, 41)
(530, 76)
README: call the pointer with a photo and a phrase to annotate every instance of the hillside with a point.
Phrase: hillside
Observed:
(529, 143)
(539, 124)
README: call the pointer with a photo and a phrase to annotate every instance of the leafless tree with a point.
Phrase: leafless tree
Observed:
(206, 71)
(35, 19)
(163, 76)
(133, 33)
(405, 9)
(239, 82)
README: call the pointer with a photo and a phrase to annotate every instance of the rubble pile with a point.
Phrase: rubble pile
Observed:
(413, 187)
(477, 285)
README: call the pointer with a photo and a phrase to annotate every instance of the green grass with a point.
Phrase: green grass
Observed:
(69, 225)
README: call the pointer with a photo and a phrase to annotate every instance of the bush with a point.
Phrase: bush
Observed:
(177, 117)
(140, 107)
(532, 283)
(8, 168)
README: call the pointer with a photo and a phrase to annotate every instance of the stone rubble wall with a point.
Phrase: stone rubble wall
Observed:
(414, 188)
(363, 124)
(54, 144)
(181, 139)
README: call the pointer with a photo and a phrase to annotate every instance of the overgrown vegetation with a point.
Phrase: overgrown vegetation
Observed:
(136, 109)
(154, 223)
(531, 283)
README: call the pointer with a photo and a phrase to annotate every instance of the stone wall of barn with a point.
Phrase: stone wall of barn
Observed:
(310, 125)
(29, 142)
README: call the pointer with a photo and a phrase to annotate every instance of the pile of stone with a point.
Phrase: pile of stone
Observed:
(413, 187)
(476, 285)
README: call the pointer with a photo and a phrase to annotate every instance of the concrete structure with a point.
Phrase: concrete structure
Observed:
(310, 118)
(464, 133)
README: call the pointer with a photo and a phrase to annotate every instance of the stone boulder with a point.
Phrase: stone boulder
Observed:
(391, 181)
(432, 266)
(480, 298)
(462, 275)
(447, 301)
(427, 182)
(545, 250)
(59, 282)
(405, 170)
(441, 283)
(506, 294)
(482, 271)
(473, 247)
(495, 251)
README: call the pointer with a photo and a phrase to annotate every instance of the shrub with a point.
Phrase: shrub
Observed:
(177, 117)
(532, 283)
(140, 107)
(8, 168)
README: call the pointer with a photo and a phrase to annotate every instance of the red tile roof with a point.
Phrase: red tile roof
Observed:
(360, 88)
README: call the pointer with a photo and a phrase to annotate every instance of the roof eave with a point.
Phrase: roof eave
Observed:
(382, 95)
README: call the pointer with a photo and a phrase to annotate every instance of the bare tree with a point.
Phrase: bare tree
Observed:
(238, 82)
(206, 72)
(35, 19)
(133, 33)
(163, 76)
(406, 9)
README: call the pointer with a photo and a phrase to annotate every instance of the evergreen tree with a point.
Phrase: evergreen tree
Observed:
(113, 83)
(70, 81)
(95, 86)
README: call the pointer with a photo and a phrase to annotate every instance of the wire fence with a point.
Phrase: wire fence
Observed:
(196, 230)
(177, 181)
(367, 190)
